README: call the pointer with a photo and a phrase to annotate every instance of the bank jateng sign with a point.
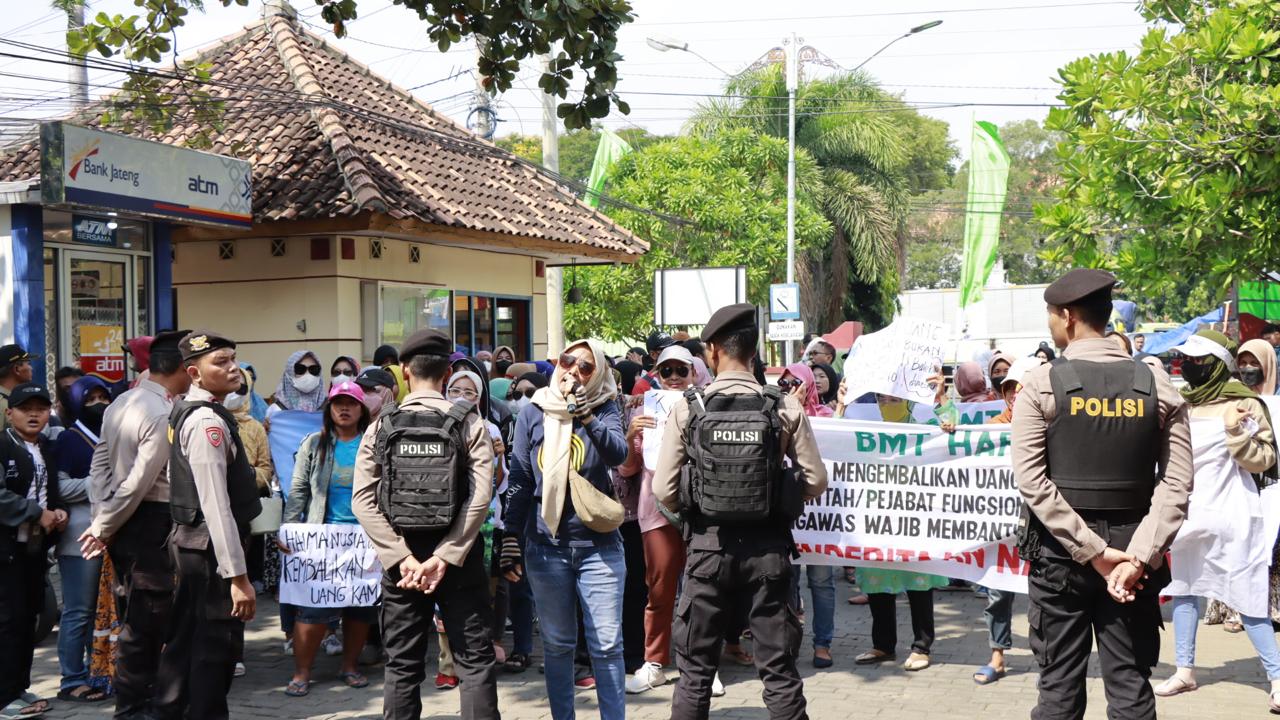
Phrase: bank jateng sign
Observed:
(911, 497)
(82, 167)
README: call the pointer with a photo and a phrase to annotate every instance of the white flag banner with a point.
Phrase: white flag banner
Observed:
(897, 360)
(911, 497)
(328, 566)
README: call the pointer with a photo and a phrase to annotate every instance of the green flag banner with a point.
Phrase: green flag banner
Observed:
(988, 181)
(609, 151)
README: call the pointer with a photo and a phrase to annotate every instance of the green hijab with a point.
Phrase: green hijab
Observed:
(1220, 383)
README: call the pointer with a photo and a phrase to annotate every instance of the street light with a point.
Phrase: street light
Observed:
(917, 29)
(663, 44)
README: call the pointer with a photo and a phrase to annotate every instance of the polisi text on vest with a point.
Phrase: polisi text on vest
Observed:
(420, 449)
(1108, 407)
(737, 437)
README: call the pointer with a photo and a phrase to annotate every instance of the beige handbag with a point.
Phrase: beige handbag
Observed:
(597, 511)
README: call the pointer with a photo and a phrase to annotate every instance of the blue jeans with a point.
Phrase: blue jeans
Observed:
(520, 598)
(79, 606)
(822, 585)
(999, 616)
(599, 575)
(1186, 619)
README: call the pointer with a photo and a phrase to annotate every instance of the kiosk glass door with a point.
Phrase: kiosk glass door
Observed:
(99, 311)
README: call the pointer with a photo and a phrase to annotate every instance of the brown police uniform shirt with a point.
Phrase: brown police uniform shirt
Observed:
(210, 450)
(1036, 407)
(798, 442)
(392, 548)
(129, 465)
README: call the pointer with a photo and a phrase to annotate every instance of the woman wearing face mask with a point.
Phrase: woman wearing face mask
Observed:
(998, 368)
(1257, 363)
(300, 385)
(87, 400)
(565, 444)
(523, 389)
(320, 493)
(379, 388)
(343, 369)
(1222, 550)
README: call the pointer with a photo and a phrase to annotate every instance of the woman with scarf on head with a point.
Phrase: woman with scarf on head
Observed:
(343, 369)
(560, 504)
(87, 400)
(300, 385)
(827, 382)
(971, 384)
(1223, 549)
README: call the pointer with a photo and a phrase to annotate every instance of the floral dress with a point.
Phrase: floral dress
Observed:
(106, 631)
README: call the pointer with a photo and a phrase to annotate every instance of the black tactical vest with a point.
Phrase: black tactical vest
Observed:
(1104, 442)
(242, 484)
(424, 467)
(735, 473)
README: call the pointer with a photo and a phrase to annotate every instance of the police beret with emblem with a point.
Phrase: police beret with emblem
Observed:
(10, 354)
(202, 342)
(1079, 285)
(28, 391)
(426, 342)
(729, 319)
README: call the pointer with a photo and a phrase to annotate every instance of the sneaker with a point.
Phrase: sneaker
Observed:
(586, 683)
(332, 645)
(717, 687)
(446, 682)
(288, 646)
(239, 671)
(648, 677)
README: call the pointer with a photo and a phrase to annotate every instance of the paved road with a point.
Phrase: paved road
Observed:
(1232, 682)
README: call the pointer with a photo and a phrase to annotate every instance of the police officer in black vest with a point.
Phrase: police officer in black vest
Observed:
(213, 496)
(1102, 456)
(423, 482)
(721, 465)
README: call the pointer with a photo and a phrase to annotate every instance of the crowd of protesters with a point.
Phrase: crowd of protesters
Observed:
(604, 601)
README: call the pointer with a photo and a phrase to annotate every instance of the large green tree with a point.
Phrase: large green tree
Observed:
(718, 200)
(1168, 160)
(577, 148)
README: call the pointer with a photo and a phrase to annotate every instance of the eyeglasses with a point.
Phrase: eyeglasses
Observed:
(666, 371)
(463, 393)
(515, 394)
(789, 383)
(344, 370)
(585, 367)
(300, 369)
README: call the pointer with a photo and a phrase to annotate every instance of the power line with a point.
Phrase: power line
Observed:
(941, 11)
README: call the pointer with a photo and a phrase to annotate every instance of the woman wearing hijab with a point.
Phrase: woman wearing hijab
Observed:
(1044, 352)
(566, 442)
(87, 400)
(1257, 363)
(998, 368)
(629, 371)
(1222, 550)
(798, 380)
(971, 384)
(504, 353)
(300, 385)
(343, 369)
(701, 374)
(827, 382)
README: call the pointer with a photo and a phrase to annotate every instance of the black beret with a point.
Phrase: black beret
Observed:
(728, 319)
(28, 391)
(202, 342)
(426, 342)
(1079, 284)
(10, 354)
(167, 342)
(658, 341)
(373, 377)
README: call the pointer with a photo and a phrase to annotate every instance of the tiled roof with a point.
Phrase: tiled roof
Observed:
(329, 138)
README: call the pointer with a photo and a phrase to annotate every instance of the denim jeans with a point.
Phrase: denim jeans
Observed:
(822, 586)
(1186, 619)
(598, 575)
(999, 617)
(520, 598)
(79, 606)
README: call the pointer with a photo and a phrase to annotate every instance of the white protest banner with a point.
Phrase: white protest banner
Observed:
(911, 497)
(657, 403)
(897, 360)
(328, 566)
(922, 413)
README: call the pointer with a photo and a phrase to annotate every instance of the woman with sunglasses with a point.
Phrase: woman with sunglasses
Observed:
(571, 435)
(343, 369)
(300, 386)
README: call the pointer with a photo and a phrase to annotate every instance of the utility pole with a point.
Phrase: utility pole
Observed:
(555, 276)
(77, 71)
(480, 120)
(793, 81)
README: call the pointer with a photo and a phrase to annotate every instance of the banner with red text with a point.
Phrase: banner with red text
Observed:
(911, 497)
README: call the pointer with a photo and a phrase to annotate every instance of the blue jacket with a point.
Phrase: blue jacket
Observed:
(605, 447)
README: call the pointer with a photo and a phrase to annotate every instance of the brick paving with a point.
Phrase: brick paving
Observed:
(1232, 682)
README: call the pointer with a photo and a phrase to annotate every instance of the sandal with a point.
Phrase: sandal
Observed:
(1274, 700)
(859, 599)
(354, 679)
(298, 688)
(874, 656)
(22, 709)
(1174, 686)
(738, 656)
(82, 694)
(916, 662)
(516, 663)
(1233, 626)
(988, 674)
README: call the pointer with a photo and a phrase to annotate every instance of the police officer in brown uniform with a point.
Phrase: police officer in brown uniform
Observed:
(1102, 457)
(213, 496)
(721, 465)
(423, 482)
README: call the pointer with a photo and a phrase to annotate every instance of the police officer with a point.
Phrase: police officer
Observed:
(424, 527)
(719, 444)
(1102, 457)
(213, 496)
(129, 487)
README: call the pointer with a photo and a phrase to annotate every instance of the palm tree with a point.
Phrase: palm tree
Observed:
(847, 125)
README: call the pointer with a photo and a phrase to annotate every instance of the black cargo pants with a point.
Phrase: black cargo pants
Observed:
(143, 587)
(714, 581)
(1070, 606)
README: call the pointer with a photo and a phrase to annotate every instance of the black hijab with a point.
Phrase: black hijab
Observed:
(833, 381)
(629, 370)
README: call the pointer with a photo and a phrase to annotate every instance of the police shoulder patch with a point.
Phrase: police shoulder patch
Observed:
(214, 435)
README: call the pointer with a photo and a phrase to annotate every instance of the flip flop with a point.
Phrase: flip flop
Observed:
(873, 657)
(17, 709)
(1274, 699)
(916, 662)
(82, 694)
(1174, 686)
(987, 675)
(859, 599)
(354, 679)
(516, 663)
(298, 688)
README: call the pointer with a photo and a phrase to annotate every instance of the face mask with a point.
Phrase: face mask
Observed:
(1251, 376)
(997, 380)
(339, 379)
(373, 401)
(895, 411)
(488, 366)
(306, 383)
(519, 404)
(91, 415)
(234, 401)
(1196, 375)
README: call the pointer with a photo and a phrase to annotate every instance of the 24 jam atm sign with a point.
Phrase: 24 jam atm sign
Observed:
(82, 167)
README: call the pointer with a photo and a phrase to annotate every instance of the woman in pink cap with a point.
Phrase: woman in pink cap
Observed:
(321, 494)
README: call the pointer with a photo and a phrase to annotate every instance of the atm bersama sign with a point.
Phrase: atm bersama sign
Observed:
(83, 167)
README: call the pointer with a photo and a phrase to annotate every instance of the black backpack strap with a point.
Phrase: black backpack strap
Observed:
(772, 399)
(1144, 381)
(1066, 375)
(457, 415)
(696, 402)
